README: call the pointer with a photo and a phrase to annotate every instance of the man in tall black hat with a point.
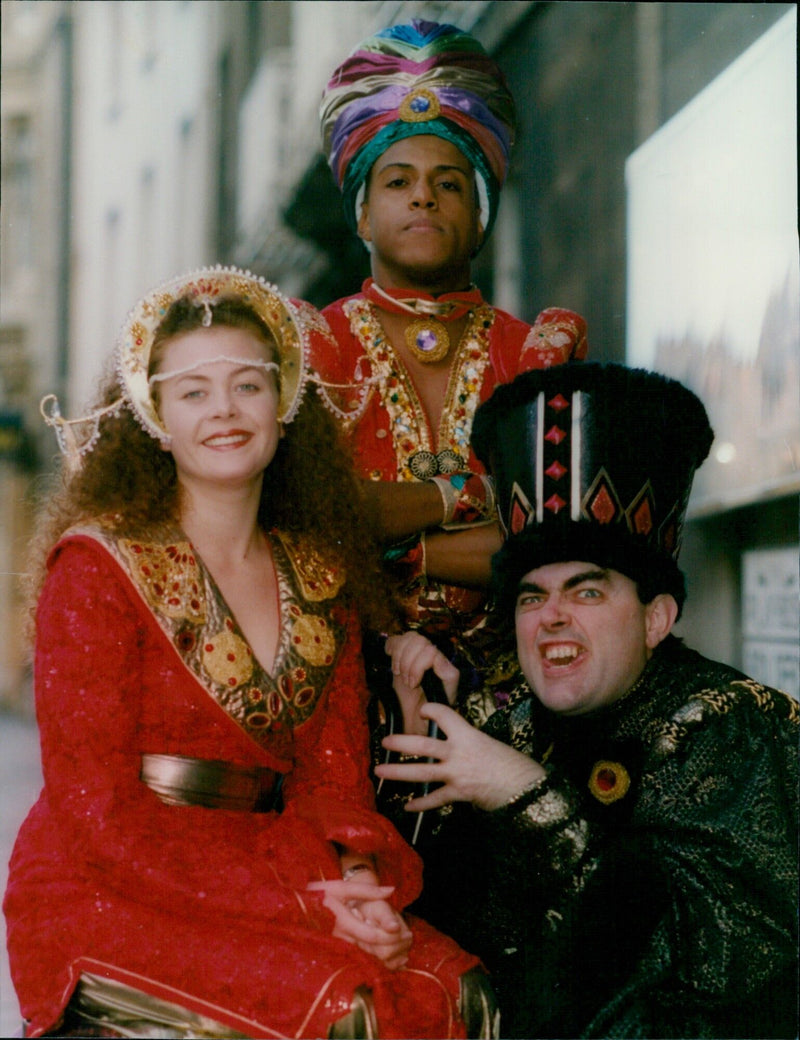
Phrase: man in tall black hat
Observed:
(619, 840)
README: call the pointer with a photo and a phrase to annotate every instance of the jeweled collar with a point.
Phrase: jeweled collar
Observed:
(445, 307)
(410, 429)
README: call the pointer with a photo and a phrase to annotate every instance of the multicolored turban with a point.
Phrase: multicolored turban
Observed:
(422, 78)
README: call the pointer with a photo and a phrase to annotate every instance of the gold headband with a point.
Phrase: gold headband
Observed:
(206, 287)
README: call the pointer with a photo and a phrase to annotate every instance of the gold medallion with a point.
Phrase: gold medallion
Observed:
(427, 339)
(419, 106)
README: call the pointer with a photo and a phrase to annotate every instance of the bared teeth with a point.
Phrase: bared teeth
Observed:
(560, 653)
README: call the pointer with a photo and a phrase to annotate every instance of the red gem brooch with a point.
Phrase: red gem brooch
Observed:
(609, 781)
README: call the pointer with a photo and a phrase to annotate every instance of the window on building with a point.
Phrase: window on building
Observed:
(18, 193)
(713, 272)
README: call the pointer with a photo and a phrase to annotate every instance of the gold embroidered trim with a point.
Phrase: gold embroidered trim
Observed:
(167, 576)
(190, 610)
(410, 430)
(319, 578)
(675, 729)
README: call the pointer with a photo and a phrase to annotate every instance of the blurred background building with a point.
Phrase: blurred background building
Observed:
(143, 138)
(653, 188)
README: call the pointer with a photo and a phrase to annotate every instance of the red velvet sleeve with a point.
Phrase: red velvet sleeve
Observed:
(340, 363)
(556, 337)
(97, 660)
(332, 365)
(333, 359)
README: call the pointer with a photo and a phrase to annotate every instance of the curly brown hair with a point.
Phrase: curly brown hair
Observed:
(310, 487)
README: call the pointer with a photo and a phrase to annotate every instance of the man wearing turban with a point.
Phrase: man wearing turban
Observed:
(417, 126)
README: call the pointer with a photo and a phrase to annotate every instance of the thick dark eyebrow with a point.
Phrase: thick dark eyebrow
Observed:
(442, 168)
(570, 583)
(529, 586)
(598, 574)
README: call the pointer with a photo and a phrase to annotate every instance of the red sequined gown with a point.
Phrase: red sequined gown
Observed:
(137, 653)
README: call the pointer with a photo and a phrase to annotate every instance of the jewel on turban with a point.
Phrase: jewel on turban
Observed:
(422, 78)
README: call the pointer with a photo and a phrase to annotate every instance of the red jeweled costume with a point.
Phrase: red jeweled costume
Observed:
(369, 388)
(430, 79)
(138, 654)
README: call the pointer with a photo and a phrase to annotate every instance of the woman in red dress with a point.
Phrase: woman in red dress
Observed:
(205, 858)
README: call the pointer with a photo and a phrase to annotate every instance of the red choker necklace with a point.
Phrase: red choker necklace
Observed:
(426, 337)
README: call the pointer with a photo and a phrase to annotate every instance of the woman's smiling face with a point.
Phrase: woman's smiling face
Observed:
(220, 405)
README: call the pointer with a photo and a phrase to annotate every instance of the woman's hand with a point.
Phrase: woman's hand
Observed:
(365, 918)
(412, 655)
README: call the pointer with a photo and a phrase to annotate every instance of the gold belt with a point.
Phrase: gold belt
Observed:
(130, 1012)
(178, 780)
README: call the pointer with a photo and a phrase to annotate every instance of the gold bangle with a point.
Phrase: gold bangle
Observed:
(449, 495)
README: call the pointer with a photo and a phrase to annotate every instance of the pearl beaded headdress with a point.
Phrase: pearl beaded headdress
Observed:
(289, 321)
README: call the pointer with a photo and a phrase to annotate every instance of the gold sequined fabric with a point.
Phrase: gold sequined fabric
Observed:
(192, 613)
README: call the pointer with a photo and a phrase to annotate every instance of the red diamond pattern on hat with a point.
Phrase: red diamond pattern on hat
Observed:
(555, 503)
(669, 531)
(601, 502)
(669, 538)
(603, 507)
(555, 470)
(643, 518)
(555, 435)
(520, 512)
(517, 518)
(641, 512)
(558, 403)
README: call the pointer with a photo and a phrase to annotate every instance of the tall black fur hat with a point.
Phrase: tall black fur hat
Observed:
(593, 461)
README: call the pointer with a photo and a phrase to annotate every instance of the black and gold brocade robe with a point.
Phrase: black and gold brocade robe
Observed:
(648, 887)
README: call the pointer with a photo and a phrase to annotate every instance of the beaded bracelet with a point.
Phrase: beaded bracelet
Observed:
(466, 497)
